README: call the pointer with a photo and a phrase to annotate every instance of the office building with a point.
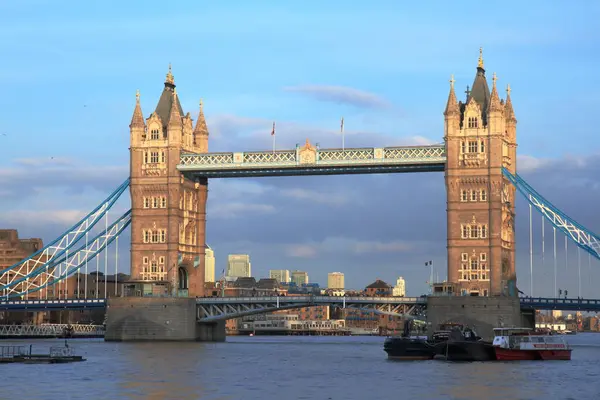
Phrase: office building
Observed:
(281, 275)
(300, 278)
(335, 280)
(238, 265)
(209, 264)
(400, 288)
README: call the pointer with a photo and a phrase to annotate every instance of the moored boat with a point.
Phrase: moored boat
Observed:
(512, 344)
(407, 347)
(463, 344)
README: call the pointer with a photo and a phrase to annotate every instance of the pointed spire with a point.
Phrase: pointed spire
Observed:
(495, 104)
(137, 120)
(451, 104)
(175, 114)
(201, 127)
(508, 108)
(170, 79)
(480, 62)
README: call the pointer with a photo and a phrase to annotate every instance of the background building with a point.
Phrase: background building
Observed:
(300, 278)
(400, 288)
(378, 288)
(335, 280)
(209, 264)
(281, 275)
(238, 265)
(13, 250)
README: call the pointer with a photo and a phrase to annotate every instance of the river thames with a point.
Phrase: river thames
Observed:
(292, 367)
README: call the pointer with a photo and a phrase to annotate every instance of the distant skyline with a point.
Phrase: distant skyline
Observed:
(73, 68)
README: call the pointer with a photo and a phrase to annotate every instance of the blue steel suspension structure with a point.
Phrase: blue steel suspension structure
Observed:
(53, 263)
(583, 237)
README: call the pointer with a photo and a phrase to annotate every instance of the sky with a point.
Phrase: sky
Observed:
(71, 70)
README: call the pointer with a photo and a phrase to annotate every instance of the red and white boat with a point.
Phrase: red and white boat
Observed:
(524, 344)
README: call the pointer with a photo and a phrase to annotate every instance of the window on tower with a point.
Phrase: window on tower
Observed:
(473, 195)
(473, 231)
(483, 195)
(473, 122)
(464, 195)
(154, 134)
(154, 157)
(473, 146)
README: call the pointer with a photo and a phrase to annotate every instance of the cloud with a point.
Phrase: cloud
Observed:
(233, 210)
(313, 196)
(42, 217)
(345, 245)
(341, 95)
(526, 163)
(17, 180)
(43, 162)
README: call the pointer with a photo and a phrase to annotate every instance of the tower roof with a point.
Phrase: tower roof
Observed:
(508, 108)
(137, 120)
(165, 103)
(451, 105)
(480, 92)
(495, 104)
(175, 114)
(201, 127)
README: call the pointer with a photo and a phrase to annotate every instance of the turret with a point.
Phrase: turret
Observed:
(137, 128)
(201, 132)
(452, 111)
(175, 126)
(495, 111)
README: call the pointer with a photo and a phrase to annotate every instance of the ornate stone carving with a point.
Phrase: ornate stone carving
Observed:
(308, 154)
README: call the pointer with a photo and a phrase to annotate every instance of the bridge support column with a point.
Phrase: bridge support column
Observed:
(480, 313)
(130, 319)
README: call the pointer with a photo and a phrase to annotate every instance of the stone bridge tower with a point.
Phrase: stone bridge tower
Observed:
(168, 210)
(480, 137)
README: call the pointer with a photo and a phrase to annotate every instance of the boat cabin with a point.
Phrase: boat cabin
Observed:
(527, 339)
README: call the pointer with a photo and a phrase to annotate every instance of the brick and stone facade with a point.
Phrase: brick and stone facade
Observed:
(168, 209)
(480, 137)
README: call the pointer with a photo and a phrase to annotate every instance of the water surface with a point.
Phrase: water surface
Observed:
(295, 367)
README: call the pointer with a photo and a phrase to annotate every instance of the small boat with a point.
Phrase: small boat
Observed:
(521, 344)
(57, 355)
(463, 344)
(407, 347)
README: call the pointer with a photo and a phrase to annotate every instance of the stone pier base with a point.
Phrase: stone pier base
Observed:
(130, 319)
(481, 313)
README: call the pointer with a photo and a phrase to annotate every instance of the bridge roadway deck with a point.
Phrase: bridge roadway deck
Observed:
(538, 303)
(310, 160)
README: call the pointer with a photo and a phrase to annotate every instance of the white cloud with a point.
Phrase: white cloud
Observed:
(235, 209)
(526, 163)
(341, 95)
(344, 245)
(41, 217)
(316, 197)
(43, 162)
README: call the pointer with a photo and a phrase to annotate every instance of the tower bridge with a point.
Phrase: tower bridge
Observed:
(170, 169)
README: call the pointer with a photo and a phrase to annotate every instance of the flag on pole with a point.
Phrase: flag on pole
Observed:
(342, 132)
(273, 136)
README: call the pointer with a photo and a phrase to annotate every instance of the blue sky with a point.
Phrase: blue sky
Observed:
(71, 70)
